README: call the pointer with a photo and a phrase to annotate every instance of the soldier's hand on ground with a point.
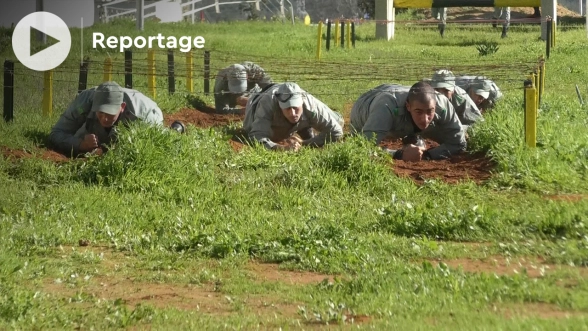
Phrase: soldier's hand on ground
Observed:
(98, 151)
(289, 146)
(89, 143)
(412, 153)
(294, 146)
(294, 139)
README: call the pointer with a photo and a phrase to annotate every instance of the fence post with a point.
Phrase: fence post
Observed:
(319, 41)
(530, 113)
(536, 84)
(328, 34)
(189, 83)
(336, 33)
(553, 30)
(8, 90)
(539, 81)
(548, 39)
(107, 76)
(353, 34)
(348, 34)
(129, 69)
(48, 93)
(83, 77)
(342, 34)
(206, 72)
(151, 72)
(171, 81)
(542, 77)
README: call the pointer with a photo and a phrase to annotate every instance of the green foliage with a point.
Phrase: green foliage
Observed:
(487, 48)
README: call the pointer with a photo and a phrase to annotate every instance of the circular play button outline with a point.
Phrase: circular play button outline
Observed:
(49, 57)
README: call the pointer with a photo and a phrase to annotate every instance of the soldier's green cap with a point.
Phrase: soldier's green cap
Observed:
(443, 79)
(482, 88)
(108, 98)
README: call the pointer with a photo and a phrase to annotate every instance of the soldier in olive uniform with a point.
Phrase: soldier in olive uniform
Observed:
(90, 120)
(393, 111)
(484, 92)
(235, 83)
(443, 81)
(284, 109)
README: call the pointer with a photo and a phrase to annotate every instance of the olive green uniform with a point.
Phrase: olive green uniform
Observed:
(264, 121)
(381, 113)
(79, 120)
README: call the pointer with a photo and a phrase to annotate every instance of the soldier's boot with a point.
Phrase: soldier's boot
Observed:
(306, 134)
(441, 29)
(504, 30)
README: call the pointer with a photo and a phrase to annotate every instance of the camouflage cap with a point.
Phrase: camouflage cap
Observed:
(443, 79)
(108, 98)
(482, 88)
(237, 78)
(289, 95)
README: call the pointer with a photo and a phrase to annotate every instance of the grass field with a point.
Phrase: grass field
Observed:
(171, 231)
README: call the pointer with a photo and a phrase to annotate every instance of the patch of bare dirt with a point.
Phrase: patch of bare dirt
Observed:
(270, 272)
(201, 119)
(534, 309)
(566, 197)
(476, 167)
(499, 265)
(158, 295)
(41, 153)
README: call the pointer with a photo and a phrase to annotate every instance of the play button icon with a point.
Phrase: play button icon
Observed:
(52, 55)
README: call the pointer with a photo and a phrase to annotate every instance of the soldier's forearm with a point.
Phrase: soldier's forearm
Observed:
(321, 139)
(266, 142)
(444, 151)
(65, 143)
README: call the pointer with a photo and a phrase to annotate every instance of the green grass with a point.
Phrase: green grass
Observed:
(177, 223)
